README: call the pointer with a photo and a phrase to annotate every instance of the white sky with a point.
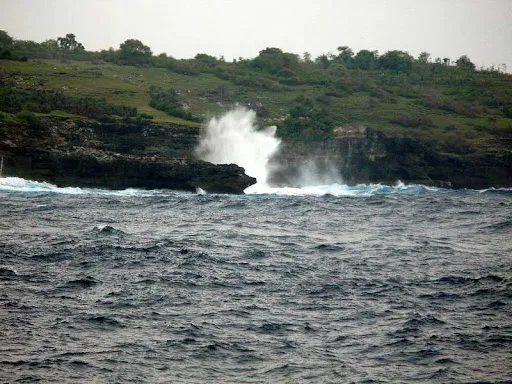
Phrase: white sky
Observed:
(481, 29)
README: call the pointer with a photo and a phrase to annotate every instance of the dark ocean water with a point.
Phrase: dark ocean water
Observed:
(162, 287)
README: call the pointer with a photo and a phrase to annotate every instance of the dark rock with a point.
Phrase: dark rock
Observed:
(84, 154)
(87, 154)
(364, 155)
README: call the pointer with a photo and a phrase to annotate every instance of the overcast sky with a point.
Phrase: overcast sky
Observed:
(481, 29)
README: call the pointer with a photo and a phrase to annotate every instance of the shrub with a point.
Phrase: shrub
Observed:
(31, 119)
(508, 111)
(169, 101)
(307, 121)
(412, 121)
(106, 119)
(146, 116)
(258, 82)
(184, 68)
(15, 100)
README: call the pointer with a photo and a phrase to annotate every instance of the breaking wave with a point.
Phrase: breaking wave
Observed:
(16, 184)
(20, 185)
(346, 190)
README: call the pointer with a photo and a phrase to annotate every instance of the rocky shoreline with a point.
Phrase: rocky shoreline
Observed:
(69, 152)
(363, 155)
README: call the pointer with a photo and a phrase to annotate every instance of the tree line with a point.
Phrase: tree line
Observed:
(271, 60)
(384, 78)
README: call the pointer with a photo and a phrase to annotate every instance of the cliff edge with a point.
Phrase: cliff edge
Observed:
(363, 155)
(69, 152)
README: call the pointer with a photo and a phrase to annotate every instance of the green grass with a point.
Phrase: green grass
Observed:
(373, 98)
(61, 114)
(7, 117)
(117, 84)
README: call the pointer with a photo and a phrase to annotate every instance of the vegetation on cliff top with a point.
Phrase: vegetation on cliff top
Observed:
(448, 102)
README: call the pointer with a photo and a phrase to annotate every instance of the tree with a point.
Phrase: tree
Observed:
(424, 57)
(49, 49)
(464, 62)
(271, 51)
(345, 54)
(277, 62)
(50, 44)
(396, 60)
(132, 51)
(322, 61)
(207, 60)
(69, 43)
(365, 59)
(5, 39)
(109, 55)
(307, 121)
(5, 43)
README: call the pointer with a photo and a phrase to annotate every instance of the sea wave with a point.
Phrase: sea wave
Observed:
(17, 184)
(346, 190)
(496, 191)
(162, 289)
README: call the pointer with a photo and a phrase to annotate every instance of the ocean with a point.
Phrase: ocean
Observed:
(319, 284)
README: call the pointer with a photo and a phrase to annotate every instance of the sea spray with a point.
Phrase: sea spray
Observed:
(314, 172)
(235, 138)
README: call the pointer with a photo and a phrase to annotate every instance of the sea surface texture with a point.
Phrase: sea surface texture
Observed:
(371, 284)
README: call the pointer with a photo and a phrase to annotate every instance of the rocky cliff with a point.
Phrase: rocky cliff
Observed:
(363, 155)
(78, 153)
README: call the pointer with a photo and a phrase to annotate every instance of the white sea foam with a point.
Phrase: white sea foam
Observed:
(234, 138)
(346, 190)
(17, 184)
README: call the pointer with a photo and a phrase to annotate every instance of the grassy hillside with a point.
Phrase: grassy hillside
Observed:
(458, 108)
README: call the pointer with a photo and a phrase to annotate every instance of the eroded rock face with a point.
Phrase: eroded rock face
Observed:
(364, 155)
(75, 153)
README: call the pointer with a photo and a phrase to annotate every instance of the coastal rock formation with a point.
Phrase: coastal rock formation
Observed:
(365, 155)
(77, 153)
(70, 152)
